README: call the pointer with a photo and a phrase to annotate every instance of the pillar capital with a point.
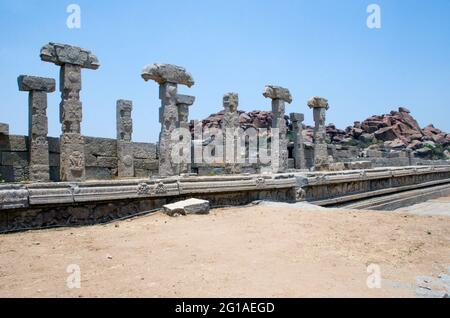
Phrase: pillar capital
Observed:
(163, 73)
(277, 92)
(318, 102)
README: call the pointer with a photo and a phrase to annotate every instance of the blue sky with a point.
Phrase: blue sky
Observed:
(320, 47)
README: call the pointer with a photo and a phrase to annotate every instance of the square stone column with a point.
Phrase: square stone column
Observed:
(38, 87)
(280, 96)
(168, 77)
(319, 106)
(231, 125)
(71, 59)
(183, 104)
(299, 147)
(124, 135)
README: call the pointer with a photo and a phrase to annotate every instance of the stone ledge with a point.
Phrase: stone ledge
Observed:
(47, 194)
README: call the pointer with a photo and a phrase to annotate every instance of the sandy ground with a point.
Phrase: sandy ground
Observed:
(261, 251)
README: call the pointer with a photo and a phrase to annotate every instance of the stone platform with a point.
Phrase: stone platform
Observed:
(37, 205)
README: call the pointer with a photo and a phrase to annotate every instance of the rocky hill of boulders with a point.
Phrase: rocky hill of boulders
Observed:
(397, 130)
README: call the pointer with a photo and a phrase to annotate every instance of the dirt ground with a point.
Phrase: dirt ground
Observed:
(260, 251)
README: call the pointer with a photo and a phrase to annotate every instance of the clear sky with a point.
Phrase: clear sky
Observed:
(312, 47)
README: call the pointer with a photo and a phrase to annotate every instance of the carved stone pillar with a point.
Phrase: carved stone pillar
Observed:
(319, 106)
(280, 96)
(71, 59)
(168, 77)
(124, 135)
(38, 87)
(299, 150)
(232, 146)
(183, 104)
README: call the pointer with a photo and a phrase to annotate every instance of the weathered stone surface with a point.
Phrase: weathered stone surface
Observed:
(33, 83)
(280, 154)
(124, 120)
(318, 102)
(297, 128)
(71, 59)
(183, 104)
(144, 151)
(185, 99)
(72, 157)
(190, 206)
(13, 197)
(277, 92)
(125, 160)
(231, 123)
(61, 54)
(163, 73)
(14, 158)
(319, 106)
(103, 147)
(168, 76)
(38, 87)
(4, 129)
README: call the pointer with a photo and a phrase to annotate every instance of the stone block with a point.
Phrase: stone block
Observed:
(99, 173)
(100, 147)
(4, 129)
(146, 164)
(144, 150)
(53, 144)
(167, 73)
(14, 158)
(185, 99)
(190, 206)
(318, 102)
(34, 83)
(61, 54)
(13, 143)
(107, 162)
(277, 92)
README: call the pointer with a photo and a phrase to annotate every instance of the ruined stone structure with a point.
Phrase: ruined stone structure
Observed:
(319, 106)
(183, 104)
(232, 144)
(147, 171)
(71, 59)
(299, 147)
(124, 133)
(168, 77)
(38, 87)
(280, 96)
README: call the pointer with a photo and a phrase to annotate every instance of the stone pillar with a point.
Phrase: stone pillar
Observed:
(71, 59)
(319, 106)
(299, 150)
(38, 87)
(168, 77)
(280, 96)
(183, 104)
(231, 138)
(124, 123)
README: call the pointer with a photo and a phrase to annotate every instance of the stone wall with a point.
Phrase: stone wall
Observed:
(101, 158)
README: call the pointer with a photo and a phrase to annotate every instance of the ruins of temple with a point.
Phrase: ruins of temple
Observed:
(77, 174)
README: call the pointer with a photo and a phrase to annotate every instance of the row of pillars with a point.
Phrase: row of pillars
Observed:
(173, 113)
(170, 76)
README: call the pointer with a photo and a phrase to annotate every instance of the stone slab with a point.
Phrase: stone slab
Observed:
(163, 73)
(61, 54)
(190, 206)
(33, 83)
